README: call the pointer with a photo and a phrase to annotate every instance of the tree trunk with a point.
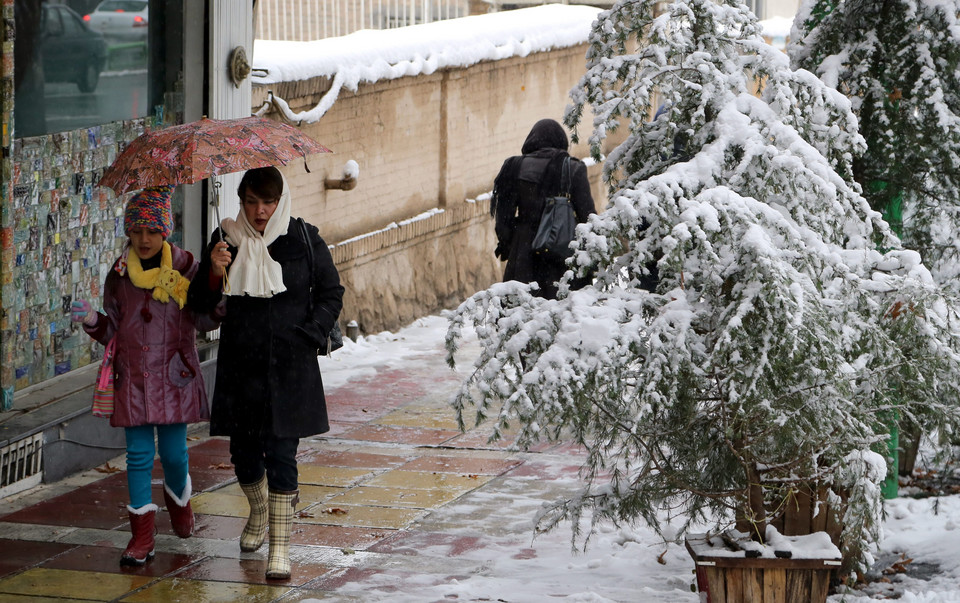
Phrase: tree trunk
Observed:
(757, 512)
(910, 435)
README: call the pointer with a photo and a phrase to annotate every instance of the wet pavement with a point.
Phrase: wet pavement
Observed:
(376, 500)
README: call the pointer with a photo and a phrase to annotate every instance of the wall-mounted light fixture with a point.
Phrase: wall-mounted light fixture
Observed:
(351, 171)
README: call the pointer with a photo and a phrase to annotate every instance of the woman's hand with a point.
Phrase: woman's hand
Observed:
(220, 258)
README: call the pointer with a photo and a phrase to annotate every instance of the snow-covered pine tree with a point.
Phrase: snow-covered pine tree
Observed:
(755, 367)
(899, 63)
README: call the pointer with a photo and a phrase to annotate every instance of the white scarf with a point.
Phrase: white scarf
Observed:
(253, 272)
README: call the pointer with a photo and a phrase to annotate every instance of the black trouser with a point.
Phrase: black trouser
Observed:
(252, 454)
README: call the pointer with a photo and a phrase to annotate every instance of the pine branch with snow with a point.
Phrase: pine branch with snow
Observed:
(763, 359)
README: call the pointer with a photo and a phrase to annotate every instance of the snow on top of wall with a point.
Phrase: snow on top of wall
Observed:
(417, 218)
(368, 56)
(373, 55)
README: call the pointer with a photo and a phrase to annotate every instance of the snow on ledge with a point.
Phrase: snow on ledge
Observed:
(373, 55)
(417, 218)
(369, 56)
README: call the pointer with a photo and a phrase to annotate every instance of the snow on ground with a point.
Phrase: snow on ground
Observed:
(622, 564)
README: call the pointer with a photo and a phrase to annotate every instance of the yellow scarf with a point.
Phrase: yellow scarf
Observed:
(165, 281)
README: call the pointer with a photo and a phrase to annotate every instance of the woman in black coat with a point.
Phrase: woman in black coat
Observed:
(519, 191)
(276, 315)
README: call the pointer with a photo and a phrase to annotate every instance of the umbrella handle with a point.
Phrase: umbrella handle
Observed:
(216, 206)
(215, 201)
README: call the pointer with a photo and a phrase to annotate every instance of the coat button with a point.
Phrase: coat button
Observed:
(146, 348)
(146, 374)
(184, 374)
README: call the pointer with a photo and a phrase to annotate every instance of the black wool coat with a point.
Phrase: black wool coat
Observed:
(519, 192)
(267, 371)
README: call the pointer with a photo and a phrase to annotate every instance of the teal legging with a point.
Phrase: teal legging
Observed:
(172, 446)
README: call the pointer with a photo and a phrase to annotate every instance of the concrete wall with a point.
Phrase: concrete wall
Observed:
(397, 275)
(424, 144)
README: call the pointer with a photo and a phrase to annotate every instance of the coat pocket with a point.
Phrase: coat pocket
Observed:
(179, 370)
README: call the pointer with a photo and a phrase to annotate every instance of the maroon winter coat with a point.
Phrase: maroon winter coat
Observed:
(157, 378)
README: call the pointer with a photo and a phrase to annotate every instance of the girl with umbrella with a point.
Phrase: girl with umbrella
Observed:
(157, 382)
(278, 310)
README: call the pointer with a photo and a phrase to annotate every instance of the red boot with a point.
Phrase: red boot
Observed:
(140, 548)
(181, 515)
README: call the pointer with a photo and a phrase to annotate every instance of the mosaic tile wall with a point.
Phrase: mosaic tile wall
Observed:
(60, 235)
(6, 87)
(6, 190)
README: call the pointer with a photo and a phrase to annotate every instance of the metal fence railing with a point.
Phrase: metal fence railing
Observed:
(302, 20)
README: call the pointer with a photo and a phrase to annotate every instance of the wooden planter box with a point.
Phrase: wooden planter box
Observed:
(726, 575)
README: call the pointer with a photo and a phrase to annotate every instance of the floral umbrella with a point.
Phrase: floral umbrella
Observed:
(191, 152)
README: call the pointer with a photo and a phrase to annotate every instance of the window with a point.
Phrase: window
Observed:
(122, 5)
(72, 72)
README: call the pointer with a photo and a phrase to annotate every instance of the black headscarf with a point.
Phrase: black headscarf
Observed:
(544, 134)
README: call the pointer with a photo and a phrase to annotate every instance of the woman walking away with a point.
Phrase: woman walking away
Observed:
(281, 303)
(519, 193)
(157, 382)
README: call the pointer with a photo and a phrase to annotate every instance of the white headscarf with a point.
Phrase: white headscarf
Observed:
(253, 272)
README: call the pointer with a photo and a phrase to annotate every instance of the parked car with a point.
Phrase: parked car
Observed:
(71, 51)
(120, 20)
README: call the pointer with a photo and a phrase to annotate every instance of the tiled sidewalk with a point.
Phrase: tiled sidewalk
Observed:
(369, 490)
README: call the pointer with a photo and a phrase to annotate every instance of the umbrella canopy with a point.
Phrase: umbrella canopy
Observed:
(190, 152)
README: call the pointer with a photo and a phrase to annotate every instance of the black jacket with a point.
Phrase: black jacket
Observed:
(267, 372)
(519, 191)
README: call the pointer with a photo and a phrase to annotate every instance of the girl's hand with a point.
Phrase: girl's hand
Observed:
(220, 258)
(80, 311)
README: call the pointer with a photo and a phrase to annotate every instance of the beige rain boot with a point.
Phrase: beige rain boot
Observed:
(282, 506)
(255, 531)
